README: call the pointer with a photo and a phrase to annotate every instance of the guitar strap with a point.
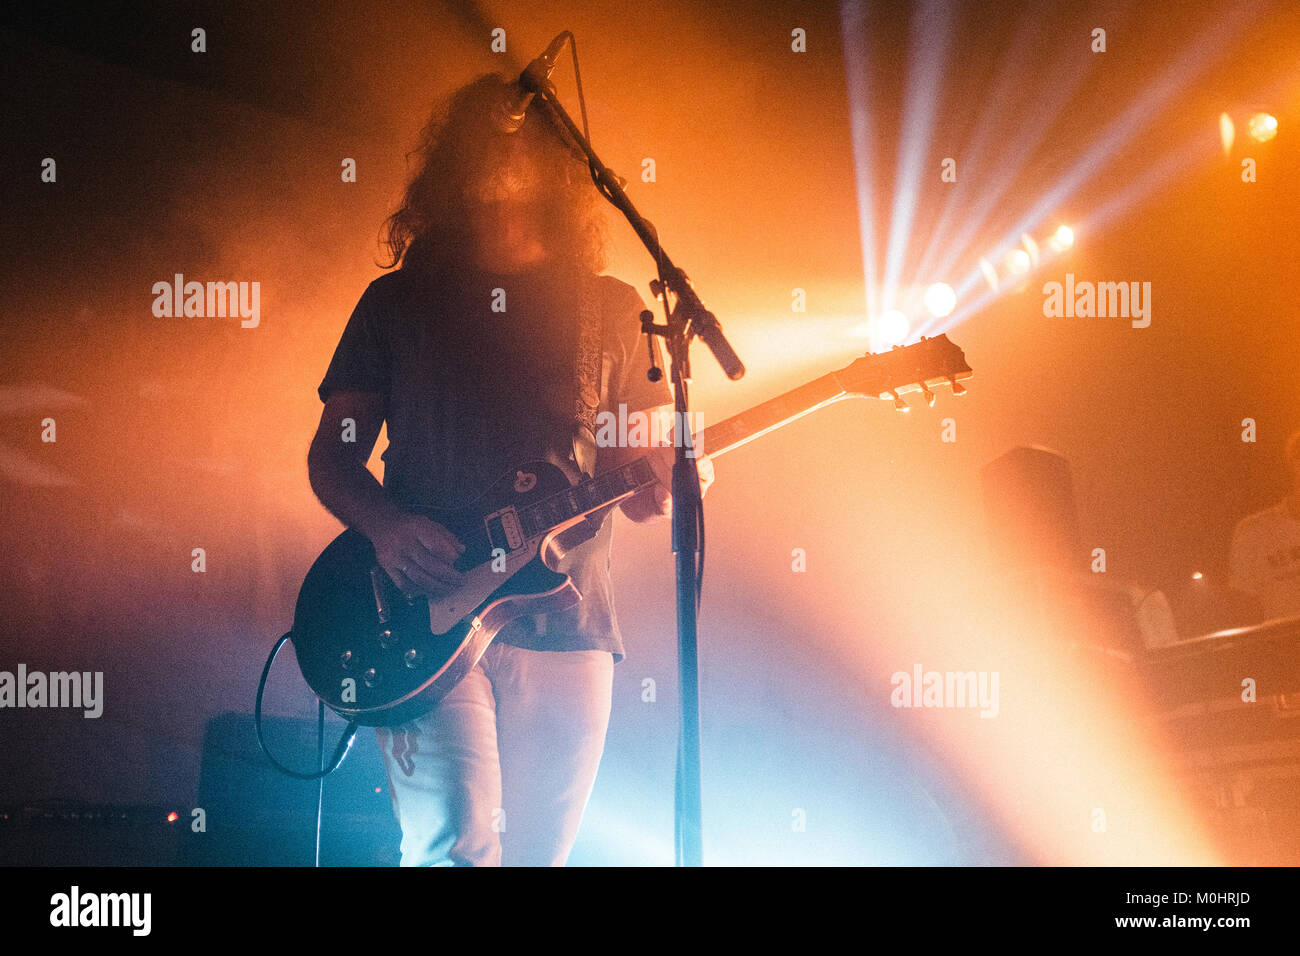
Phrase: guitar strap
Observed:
(587, 370)
(588, 365)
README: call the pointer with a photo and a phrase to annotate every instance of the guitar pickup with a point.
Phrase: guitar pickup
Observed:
(504, 530)
(378, 587)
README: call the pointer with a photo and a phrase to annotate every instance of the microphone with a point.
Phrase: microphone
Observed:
(509, 115)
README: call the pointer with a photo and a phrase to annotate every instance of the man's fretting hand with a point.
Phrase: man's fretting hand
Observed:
(655, 502)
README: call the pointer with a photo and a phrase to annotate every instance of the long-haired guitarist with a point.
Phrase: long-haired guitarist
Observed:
(468, 352)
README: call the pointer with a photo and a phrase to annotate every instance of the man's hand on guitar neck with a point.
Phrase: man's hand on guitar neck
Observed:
(655, 502)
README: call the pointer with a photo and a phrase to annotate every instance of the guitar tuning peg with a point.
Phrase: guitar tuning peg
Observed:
(899, 404)
(957, 387)
(927, 394)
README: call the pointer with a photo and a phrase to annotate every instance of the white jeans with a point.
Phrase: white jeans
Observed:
(500, 771)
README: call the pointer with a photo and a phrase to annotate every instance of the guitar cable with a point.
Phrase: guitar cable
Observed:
(340, 751)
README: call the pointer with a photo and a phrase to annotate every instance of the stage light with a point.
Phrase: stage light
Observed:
(1031, 247)
(892, 327)
(1062, 239)
(173, 817)
(1018, 262)
(1227, 132)
(940, 300)
(990, 273)
(1263, 127)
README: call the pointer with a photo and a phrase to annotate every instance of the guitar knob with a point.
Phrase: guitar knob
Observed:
(370, 677)
(345, 659)
(411, 657)
(385, 638)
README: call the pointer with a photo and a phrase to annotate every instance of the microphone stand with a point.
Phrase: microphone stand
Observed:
(686, 318)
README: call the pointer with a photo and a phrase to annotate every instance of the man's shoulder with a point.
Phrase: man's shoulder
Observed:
(391, 286)
(619, 305)
(400, 299)
(616, 293)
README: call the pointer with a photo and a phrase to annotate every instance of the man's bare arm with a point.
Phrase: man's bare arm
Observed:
(337, 468)
(414, 551)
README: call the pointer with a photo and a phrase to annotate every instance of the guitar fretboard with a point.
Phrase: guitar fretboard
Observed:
(735, 431)
(585, 497)
(605, 489)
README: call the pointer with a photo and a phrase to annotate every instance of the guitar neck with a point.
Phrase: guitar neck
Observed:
(613, 486)
(916, 367)
(739, 429)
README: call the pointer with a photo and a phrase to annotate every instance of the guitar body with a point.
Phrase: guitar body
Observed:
(375, 658)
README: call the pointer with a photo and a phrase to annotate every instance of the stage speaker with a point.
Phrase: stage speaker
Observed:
(1032, 516)
(75, 833)
(253, 815)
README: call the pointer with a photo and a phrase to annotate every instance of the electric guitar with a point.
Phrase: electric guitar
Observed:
(379, 659)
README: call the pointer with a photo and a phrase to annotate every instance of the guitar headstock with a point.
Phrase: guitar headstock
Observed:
(921, 367)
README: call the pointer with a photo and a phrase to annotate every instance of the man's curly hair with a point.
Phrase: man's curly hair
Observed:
(459, 150)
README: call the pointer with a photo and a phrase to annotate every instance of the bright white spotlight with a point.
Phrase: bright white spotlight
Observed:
(1263, 127)
(892, 327)
(940, 300)
(1062, 239)
(1227, 132)
(1031, 247)
(1018, 262)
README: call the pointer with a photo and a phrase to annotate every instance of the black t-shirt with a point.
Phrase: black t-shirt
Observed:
(470, 393)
